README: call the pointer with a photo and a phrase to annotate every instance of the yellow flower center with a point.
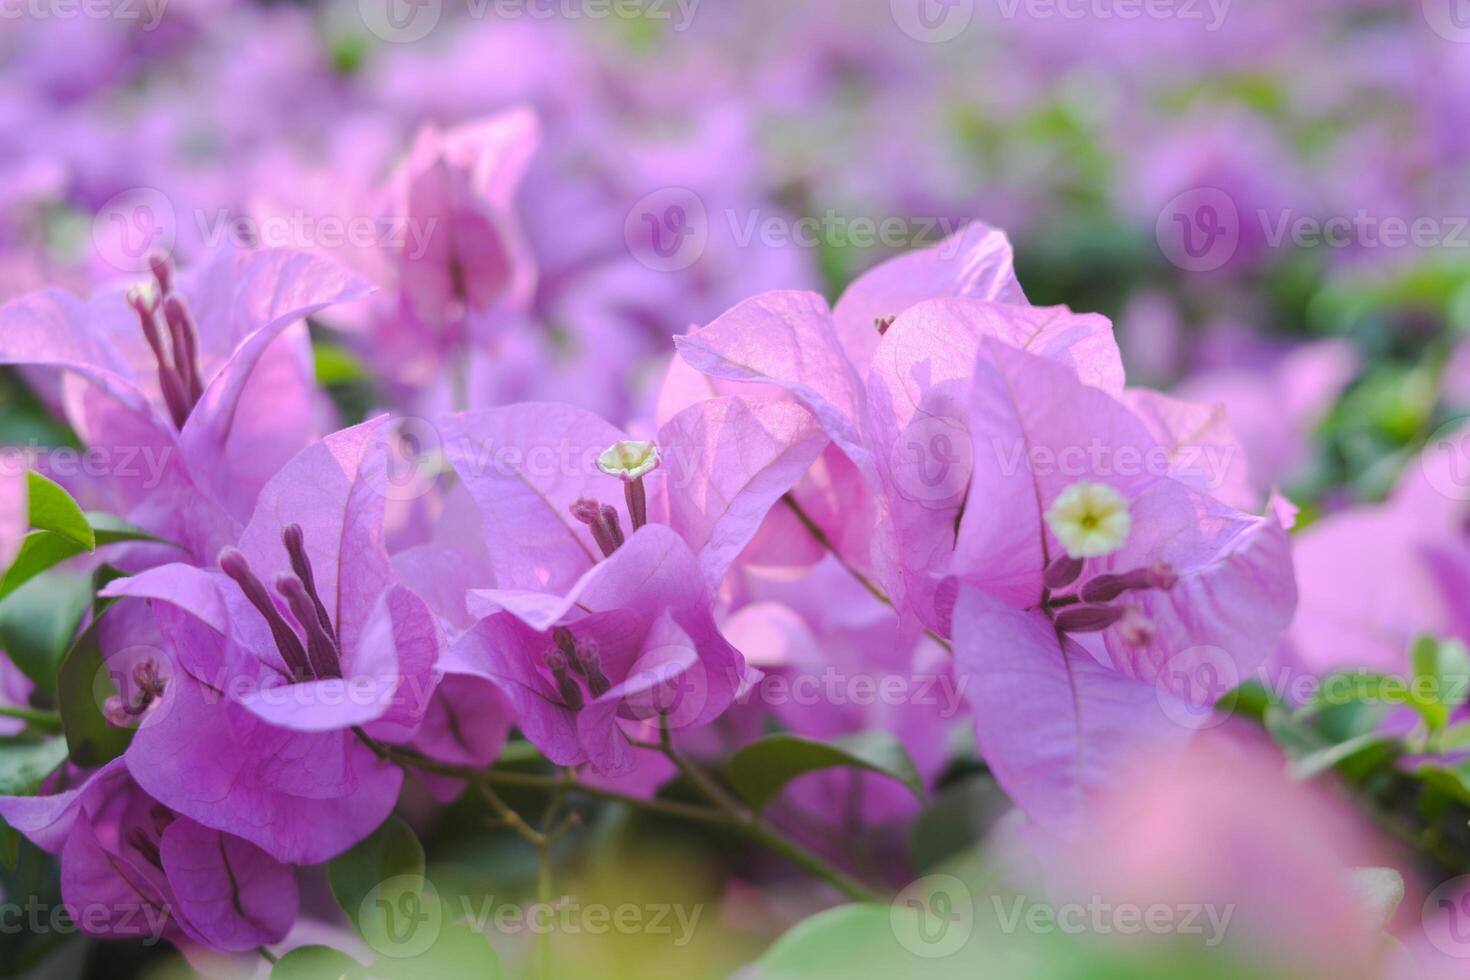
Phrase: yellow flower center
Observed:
(1090, 519)
(629, 459)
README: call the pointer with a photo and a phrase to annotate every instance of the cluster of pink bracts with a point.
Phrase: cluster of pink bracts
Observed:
(932, 479)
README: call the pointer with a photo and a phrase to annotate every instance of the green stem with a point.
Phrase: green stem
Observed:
(726, 813)
(33, 716)
(749, 822)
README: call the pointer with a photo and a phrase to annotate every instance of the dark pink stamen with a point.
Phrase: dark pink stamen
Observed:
(293, 654)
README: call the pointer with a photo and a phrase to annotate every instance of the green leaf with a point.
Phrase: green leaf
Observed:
(24, 766)
(1249, 700)
(82, 687)
(958, 819)
(457, 950)
(869, 940)
(390, 857)
(1453, 780)
(39, 551)
(336, 365)
(38, 621)
(1456, 738)
(1380, 890)
(317, 963)
(111, 529)
(762, 769)
(53, 509)
(1441, 679)
(1362, 753)
(42, 550)
(25, 763)
(1342, 689)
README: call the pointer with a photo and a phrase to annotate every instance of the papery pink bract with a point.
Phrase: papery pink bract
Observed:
(299, 782)
(193, 485)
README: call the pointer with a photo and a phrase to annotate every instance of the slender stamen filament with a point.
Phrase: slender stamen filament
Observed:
(186, 346)
(570, 691)
(233, 564)
(295, 541)
(591, 664)
(637, 500)
(603, 521)
(321, 649)
(177, 352)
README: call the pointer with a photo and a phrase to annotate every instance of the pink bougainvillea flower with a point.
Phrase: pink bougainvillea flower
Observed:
(133, 868)
(1276, 869)
(1100, 597)
(890, 390)
(610, 548)
(299, 637)
(1374, 577)
(194, 391)
(454, 267)
(458, 188)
